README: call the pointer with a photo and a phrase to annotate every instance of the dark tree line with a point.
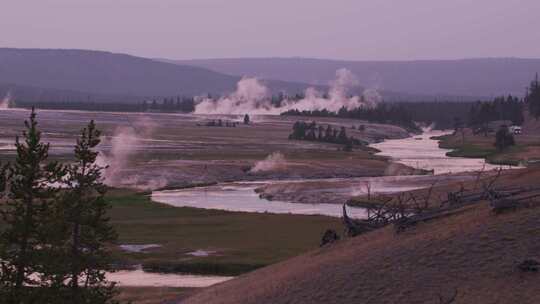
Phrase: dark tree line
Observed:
(397, 114)
(509, 108)
(311, 131)
(178, 104)
(54, 224)
(172, 105)
(439, 114)
(220, 123)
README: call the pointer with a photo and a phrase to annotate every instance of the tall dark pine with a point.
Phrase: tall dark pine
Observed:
(342, 136)
(3, 179)
(24, 241)
(503, 138)
(534, 98)
(88, 227)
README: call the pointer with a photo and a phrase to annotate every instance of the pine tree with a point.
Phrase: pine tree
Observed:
(503, 138)
(311, 133)
(334, 135)
(88, 227)
(328, 134)
(320, 136)
(534, 98)
(342, 136)
(24, 242)
(3, 179)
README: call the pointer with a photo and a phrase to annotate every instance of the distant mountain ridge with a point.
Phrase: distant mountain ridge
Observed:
(106, 76)
(83, 75)
(106, 73)
(467, 77)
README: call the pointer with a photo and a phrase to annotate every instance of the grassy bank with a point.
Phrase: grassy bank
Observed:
(241, 242)
(152, 295)
(480, 146)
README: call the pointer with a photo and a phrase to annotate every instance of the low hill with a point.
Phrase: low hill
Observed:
(27, 93)
(473, 255)
(109, 75)
(106, 73)
(467, 77)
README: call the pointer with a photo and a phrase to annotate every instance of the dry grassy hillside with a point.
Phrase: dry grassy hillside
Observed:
(475, 253)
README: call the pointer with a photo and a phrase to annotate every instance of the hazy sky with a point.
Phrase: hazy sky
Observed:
(341, 29)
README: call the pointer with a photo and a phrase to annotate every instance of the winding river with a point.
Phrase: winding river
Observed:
(419, 151)
(423, 152)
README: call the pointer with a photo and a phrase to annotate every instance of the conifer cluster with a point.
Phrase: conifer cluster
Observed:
(55, 229)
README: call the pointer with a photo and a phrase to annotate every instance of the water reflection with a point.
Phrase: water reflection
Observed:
(419, 151)
(422, 152)
(139, 278)
(242, 197)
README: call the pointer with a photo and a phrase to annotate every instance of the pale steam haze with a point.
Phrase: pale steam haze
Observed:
(5, 101)
(274, 161)
(253, 97)
(343, 29)
(124, 145)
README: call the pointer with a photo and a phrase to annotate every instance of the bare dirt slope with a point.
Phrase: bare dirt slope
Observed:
(474, 252)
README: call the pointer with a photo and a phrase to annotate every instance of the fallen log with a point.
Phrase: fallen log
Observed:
(402, 217)
(492, 194)
(407, 222)
(502, 205)
(510, 204)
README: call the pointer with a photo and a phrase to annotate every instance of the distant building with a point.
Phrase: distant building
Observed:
(516, 130)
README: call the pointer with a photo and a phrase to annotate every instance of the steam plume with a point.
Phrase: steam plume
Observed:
(274, 161)
(124, 145)
(252, 97)
(6, 101)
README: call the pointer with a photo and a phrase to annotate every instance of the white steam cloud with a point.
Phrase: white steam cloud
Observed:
(6, 101)
(124, 144)
(252, 97)
(275, 161)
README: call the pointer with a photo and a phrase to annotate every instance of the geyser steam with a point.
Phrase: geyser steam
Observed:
(252, 97)
(6, 101)
(274, 161)
(124, 145)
